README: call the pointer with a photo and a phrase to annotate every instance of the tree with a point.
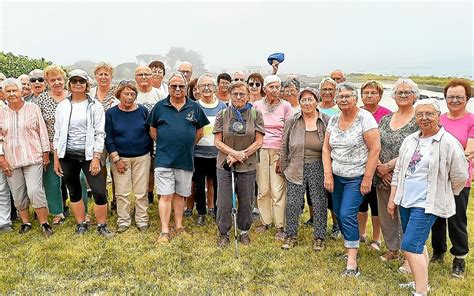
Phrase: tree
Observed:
(178, 54)
(13, 66)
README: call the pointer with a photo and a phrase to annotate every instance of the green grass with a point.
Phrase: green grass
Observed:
(132, 263)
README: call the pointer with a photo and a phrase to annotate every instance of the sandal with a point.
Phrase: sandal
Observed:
(58, 219)
(375, 245)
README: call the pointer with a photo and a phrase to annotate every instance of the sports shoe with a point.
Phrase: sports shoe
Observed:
(437, 257)
(390, 255)
(318, 245)
(223, 241)
(122, 229)
(164, 238)
(336, 232)
(201, 220)
(47, 230)
(82, 228)
(188, 213)
(405, 267)
(280, 234)
(349, 272)
(459, 266)
(244, 238)
(289, 243)
(411, 285)
(104, 231)
(143, 228)
(24, 228)
(211, 212)
(262, 228)
(6, 228)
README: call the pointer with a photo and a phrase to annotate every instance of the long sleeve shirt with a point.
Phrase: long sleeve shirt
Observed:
(23, 135)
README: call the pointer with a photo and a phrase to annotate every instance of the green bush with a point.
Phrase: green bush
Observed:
(13, 66)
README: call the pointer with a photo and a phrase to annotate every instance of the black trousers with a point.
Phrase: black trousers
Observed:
(204, 167)
(457, 228)
(71, 169)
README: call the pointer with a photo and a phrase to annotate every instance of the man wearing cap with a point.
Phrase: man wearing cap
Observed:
(176, 125)
(271, 184)
(37, 85)
(338, 76)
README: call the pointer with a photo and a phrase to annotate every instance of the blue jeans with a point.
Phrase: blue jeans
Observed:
(416, 225)
(346, 200)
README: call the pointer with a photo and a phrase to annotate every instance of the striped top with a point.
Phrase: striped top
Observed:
(23, 135)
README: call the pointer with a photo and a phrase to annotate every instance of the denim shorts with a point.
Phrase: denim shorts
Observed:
(416, 225)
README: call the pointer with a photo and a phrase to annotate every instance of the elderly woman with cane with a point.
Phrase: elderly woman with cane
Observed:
(430, 170)
(238, 134)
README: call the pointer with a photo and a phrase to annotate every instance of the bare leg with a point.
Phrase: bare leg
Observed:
(419, 268)
(78, 210)
(25, 216)
(42, 214)
(178, 207)
(377, 231)
(100, 213)
(363, 217)
(352, 258)
(164, 207)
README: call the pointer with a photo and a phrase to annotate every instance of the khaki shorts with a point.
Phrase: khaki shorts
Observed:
(169, 181)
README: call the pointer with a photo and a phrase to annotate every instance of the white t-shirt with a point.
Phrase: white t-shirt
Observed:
(149, 99)
(163, 90)
(416, 180)
(349, 151)
(76, 139)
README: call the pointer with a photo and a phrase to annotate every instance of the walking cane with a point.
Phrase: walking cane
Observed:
(234, 208)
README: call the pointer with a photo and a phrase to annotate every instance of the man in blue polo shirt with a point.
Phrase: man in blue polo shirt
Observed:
(176, 124)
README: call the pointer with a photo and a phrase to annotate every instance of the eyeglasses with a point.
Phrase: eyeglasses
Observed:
(208, 86)
(308, 100)
(458, 98)
(346, 97)
(143, 75)
(238, 95)
(402, 93)
(178, 86)
(77, 80)
(128, 82)
(39, 79)
(327, 90)
(238, 79)
(255, 84)
(372, 93)
(290, 92)
(273, 87)
(428, 115)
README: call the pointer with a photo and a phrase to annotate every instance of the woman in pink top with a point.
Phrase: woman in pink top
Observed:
(371, 92)
(460, 123)
(24, 152)
(271, 197)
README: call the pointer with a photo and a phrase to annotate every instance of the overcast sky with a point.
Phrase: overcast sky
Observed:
(428, 38)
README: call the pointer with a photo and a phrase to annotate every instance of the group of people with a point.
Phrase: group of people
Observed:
(190, 140)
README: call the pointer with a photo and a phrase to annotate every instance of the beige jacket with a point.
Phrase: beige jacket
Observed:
(292, 150)
(448, 172)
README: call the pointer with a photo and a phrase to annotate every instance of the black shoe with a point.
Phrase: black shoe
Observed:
(351, 272)
(104, 231)
(459, 266)
(437, 257)
(244, 238)
(24, 228)
(201, 220)
(211, 212)
(150, 197)
(82, 228)
(47, 230)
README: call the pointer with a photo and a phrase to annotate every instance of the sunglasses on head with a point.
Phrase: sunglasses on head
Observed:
(255, 84)
(39, 79)
(75, 80)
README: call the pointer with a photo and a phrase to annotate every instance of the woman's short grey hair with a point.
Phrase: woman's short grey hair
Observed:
(23, 76)
(208, 75)
(347, 86)
(180, 75)
(410, 83)
(11, 81)
(328, 80)
(431, 102)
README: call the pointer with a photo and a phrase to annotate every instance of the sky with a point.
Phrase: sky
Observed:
(400, 38)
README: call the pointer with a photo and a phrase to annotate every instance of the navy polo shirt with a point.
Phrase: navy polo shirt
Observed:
(176, 133)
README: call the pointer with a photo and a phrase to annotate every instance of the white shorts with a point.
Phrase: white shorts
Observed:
(169, 181)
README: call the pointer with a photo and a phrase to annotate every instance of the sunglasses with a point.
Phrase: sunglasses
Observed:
(77, 80)
(239, 79)
(39, 79)
(255, 84)
(177, 86)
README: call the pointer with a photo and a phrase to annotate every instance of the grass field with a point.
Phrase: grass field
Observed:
(132, 263)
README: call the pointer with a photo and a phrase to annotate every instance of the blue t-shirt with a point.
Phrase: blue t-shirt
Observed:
(205, 148)
(127, 132)
(176, 133)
